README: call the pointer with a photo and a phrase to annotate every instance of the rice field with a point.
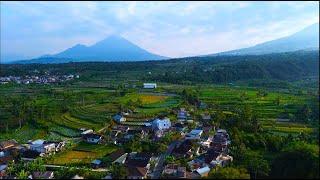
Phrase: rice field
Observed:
(266, 107)
(100, 104)
(82, 153)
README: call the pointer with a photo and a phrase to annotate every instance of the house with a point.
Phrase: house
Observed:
(29, 155)
(194, 134)
(220, 141)
(178, 127)
(182, 115)
(119, 118)
(9, 144)
(206, 141)
(7, 151)
(118, 156)
(211, 155)
(207, 129)
(137, 173)
(92, 138)
(138, 160)
(224, 133)
(215, 158)
(157, 135)
(174, 171)
(196, 164)
(43, 175)
(108, 176)
(204, 171)
(184, 149)
(114, 134)
(206, 117)
(223, 160)
(77, 177)
(149, 85)
(123, 129)
(96, 163)
(3, 168)
(138, 165)
(126, 113)
(42, 146)
(135, 132)
(60, 145)
(89, 131)
(161, 124)
(202, 105)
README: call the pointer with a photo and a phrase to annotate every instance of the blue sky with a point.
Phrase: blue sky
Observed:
(173, 29)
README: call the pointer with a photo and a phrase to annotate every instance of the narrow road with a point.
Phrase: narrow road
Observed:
(159, 166)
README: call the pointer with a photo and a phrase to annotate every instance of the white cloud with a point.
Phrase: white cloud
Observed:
(167, 28)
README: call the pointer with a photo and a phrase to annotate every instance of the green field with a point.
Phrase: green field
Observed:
(82, 153)
(93, 107)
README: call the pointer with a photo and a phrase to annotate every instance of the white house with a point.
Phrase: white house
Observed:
(42, 147)
(89, 131)
(161, 124)
(222, 160)
(149, 85)
(204, 171)
(194, 134)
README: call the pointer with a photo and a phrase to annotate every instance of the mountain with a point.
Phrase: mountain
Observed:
(307, 39)
(113, 48)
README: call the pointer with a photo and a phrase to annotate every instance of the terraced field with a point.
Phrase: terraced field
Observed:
(266, 107)
(93, 107)
(82, 153)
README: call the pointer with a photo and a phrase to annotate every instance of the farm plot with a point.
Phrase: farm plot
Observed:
(82, 153)
(265, 107)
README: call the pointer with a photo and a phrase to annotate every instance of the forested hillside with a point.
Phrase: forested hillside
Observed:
(220, 69)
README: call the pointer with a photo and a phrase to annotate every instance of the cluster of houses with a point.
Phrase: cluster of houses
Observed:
(11, 150)
(121, 134)
(43, 79)
(202, 149)
(206, 152)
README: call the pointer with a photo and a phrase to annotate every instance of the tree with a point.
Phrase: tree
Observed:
(303, 114)
(297, 160)
(277, 101)
(229, 173)
(219, 118)
(118, 171)
(11, 168)
(139, 102)
(36, 165)
(257, 166)
(22, 175)
(255, 124)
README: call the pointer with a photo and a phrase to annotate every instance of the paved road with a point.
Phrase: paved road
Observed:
(159, 166)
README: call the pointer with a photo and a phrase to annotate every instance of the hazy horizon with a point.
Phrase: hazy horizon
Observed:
(172, 29)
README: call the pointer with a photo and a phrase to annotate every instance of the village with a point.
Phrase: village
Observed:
(37, 79)
(202, 147)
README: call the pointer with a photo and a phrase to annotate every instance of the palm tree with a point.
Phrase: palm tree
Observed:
(22, 175)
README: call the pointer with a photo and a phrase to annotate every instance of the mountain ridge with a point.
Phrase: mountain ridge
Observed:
(112, 48)
(307, 38)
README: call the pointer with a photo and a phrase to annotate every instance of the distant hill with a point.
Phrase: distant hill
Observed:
(43, 60)
(113, 48)
(306, 39)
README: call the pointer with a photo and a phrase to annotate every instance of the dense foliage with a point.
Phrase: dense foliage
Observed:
(219, 69)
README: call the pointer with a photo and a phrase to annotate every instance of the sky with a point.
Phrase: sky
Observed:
(172, 29)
